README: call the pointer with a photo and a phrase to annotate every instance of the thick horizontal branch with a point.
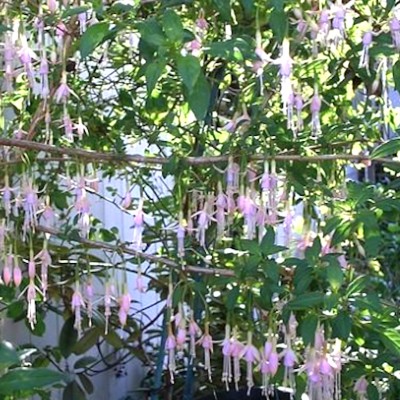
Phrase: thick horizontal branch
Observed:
(144, 256)
(139, 159)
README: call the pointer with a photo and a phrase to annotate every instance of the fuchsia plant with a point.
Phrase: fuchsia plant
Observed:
(248, 228)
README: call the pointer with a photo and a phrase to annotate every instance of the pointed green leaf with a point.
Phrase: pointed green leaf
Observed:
(306, 300)
(335, 275)
(189, 69)
(391, 340)
(341, 326)
(396, 77)
(199, 99)
(153, 72)
(29, 378)
(279, 23)
(92, 38)
(68, 337)
(389, 148)
(173, 26)
(308, 327)
(8, 355)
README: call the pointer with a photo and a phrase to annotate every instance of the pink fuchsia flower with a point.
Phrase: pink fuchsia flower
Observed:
(17, 273)
(140, 285)
(107, 304)
(52, 5)
(207, 343)
(30, 205)
(127, 200)
(63, 91)
(394, 26)
(124, 307)
(201, 24)
(80, 128)
(138, 226)
(7, 197)
(82, 17)
(299, 105)
(45, 261)
(170, 346)
(7, 269)
(194, 47)
(237, 348)
(194, 333)
(204, 218)
(26, 56)
(360, 388)
(89, 295)
(31, 298)
(76, 304)
(366, 42)
(251, 356)
(232, 176)
(315, 108)
(227, 355)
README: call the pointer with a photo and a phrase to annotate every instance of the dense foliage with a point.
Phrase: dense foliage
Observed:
(275, 269)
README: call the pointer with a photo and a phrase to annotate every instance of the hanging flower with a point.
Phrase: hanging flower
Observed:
(7, 269)
(227, 355)
(366, 42)
(76, 304)
(207, 343)
(170, 346)
(251, 355)
(194, 333)
(394, 25)
(315, 108)
(360, 388)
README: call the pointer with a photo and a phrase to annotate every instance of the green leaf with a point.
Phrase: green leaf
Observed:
(308, 327)
(302, 279)
(357, 285)
(173, 26)
(74, 391)
(86, 383)
(231, 298)
(224, 9)
(372, 392)
(268, 241)
(87, 341)
(306, 300)
(391, 339)
(199, 99)
(114, 340)
(4, 28)
(92, 38)
(152, 33)
(334, 274)
(69, 12)
(189, 69)
(68, 337)
(396, 77)
(8, 355)
(388, 148)
(29, 378)
(341, 326)
(84, 362)
(279, 23)
(153, 72)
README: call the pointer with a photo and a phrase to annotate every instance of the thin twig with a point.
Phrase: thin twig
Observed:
(206, 160)
(149, 257)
